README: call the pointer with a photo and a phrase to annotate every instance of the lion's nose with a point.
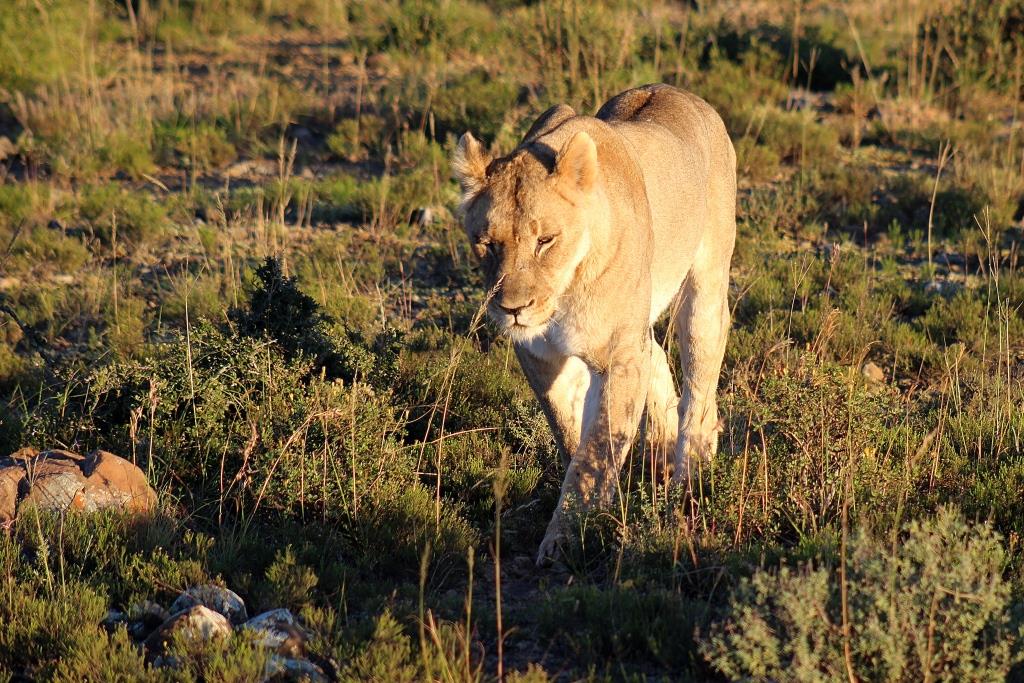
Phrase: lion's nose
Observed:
(515, 310)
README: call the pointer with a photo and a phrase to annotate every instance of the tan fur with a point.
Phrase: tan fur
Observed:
(589, 231)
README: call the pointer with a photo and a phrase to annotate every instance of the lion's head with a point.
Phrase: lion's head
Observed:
(528, 219)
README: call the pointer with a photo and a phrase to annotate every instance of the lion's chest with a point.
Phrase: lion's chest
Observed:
(563, 336)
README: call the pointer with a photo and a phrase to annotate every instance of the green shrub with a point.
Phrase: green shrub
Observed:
(106, 657)
(478, 102)
(984, 38)
(127, 323)
(928, 605)
(44, 42)
(355, 139)
(39, 244)
(795, 136)
(199, 146)
(434, 24)
(756, 162)
(127, 559)
(25, 202)
(280, 311)
(387, 656)
(288, 583)
(136, 216)
(342, 198)
(623, 625)
(39, 628)
(405, 524)
(820, 425)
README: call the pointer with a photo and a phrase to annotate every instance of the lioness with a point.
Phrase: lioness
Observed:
(587, 232)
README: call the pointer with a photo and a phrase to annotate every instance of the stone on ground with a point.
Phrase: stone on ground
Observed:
(195, 624)
(58, 480)
(221, 600)
(278, 630)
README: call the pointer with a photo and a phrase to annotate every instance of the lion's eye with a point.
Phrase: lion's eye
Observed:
(543, 242)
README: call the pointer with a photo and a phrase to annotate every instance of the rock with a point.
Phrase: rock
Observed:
(289, 669)
(114, 482)
(10, 480)
(144, 618)
(53, 481)
(251, 167)
(278, 630)
(195, 624)
(427, 215)
(946, 288)
(113, 619)
(872, 373)
(422, 216)
(60, 480)
(225, 602)
(302, 134)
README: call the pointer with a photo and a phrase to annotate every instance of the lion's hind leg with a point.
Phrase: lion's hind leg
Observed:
(662, 427)
(702, 324)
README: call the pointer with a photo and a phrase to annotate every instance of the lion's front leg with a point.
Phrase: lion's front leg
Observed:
(565, 388)
(592, 477)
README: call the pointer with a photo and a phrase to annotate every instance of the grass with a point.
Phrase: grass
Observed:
(335, 430)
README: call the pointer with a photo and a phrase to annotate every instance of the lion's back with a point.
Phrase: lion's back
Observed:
(689, 168)
(685, 116)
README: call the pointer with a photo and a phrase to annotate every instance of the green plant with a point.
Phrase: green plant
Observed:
(114, 213)
(387, 656)
(622, 624)
(288, 583)
(280, 311)
(928, 603)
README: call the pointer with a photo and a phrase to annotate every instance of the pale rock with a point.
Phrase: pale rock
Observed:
(195, 624)
(873, 373)
(289, 669)
(217, 598)
(278, 630)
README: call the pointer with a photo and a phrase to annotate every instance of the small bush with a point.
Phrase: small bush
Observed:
(198, 146)
(355, 139)
(623, 625)
(39, 628)
(135, 216)
(44, 42)
(820, 424)
(795, 136)
(476, 102)
(387, 656)
(288, 583)
(280, 311)
(931, 605)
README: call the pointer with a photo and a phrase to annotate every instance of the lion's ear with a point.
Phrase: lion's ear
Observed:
(576, 162)
(470, 165)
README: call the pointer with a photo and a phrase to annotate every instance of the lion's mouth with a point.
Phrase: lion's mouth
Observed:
(521, 321)
(519, 325)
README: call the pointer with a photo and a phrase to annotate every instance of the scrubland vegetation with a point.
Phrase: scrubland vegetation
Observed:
(338, 431)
